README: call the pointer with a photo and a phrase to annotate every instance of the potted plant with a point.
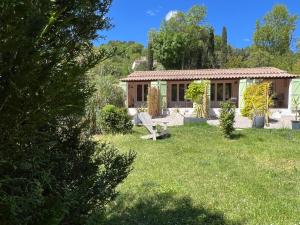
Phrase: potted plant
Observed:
(258, 119)
(197, 93)
(257, 103)
(296, 122)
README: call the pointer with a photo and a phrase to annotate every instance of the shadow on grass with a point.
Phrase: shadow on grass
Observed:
(237, 136)
(162, 209)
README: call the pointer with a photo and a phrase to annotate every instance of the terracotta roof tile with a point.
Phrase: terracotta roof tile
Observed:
(238, 73)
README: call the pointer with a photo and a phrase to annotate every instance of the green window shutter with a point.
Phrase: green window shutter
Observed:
(163, 94)
(242, 88)
(294, 91)
(124, 87)
(208, 93)
(243, 84)
(162, 87)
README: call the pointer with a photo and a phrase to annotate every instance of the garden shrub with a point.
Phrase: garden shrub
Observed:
(114, 120)
(257, 98)
(197, 93)
(153, 102)
(227, 117)
(107, 91)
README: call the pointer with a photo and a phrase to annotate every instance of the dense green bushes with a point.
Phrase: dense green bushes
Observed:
(107, 91)
(51, 171)
(227, 116)
(114, 120)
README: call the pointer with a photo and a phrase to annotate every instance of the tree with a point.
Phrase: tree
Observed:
(122, 56)
(275, 33)
(150, 52)
(51, 171)
(211, 48)
(183, 41)
(224, 50)
(227, 116)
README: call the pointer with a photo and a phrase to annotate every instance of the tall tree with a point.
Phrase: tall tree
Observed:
(150, 53)
(51, 171)
(182, 42)
(211, 48)
(224, 47)
(275, 33)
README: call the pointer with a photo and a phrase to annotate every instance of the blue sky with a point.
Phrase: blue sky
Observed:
(132, 19)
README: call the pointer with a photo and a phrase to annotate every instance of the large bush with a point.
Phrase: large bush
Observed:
(49, 173)
(197, 93)
(227, 116)
(257, 99)
(114, 120)
(107, 91)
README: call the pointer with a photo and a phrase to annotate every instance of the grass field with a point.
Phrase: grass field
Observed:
(198, 177)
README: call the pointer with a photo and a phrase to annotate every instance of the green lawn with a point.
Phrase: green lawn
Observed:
(198, 177)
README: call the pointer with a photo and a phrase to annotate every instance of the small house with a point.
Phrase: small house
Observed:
(225, 84)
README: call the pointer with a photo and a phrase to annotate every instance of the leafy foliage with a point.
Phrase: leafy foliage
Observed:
(275, 34)
(197, 93)
(257, 99)
(107, 91)
(183, 43)
(119, 64)
(48, 174)
(153, 101)
(227, 116)
(114, 120)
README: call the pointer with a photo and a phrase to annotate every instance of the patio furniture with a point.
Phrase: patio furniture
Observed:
(146, 120)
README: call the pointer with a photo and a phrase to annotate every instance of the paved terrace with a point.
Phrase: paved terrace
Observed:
(176, 119)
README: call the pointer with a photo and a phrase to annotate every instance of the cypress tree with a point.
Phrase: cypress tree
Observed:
(211, 48)
(224, 49)
(150, 52)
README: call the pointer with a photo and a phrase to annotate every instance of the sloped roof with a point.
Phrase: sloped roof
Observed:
(201, 74)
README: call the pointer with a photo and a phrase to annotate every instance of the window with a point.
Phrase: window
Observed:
(219, 92)
(145, 92)
(212, 92)
(181, 92)
(174, 92)
(139, 93)
(228, 91)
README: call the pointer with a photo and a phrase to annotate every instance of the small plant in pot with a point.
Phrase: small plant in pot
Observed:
(258, 119)
(296, 122)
